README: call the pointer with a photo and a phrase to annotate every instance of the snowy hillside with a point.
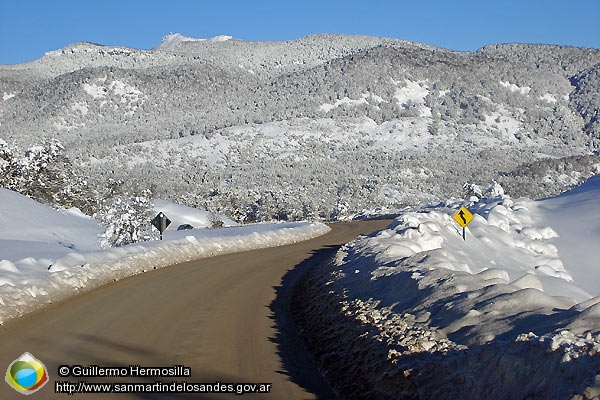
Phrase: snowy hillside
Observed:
(325, 126)
(30, 229)
(47, 255)
(513, 311)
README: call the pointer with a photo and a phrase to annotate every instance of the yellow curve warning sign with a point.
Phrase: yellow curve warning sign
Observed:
(463, 216)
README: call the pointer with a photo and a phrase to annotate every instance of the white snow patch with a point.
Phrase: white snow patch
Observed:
(250, 71)
(95, 90)
(81, 107)
(126, 91)
(524, 90)
(120, 94)
(412, 92)
(8, 96)
(346, 101)
(504, 123)
(549, 98)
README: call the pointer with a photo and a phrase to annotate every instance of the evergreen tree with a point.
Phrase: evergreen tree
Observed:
(127, 220)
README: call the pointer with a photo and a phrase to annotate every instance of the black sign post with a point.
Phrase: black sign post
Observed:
(160, 222)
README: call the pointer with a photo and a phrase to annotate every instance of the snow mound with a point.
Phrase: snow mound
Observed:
(469, 318)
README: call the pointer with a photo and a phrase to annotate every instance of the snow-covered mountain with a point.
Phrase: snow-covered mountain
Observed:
(330, 127)
(325, 126)
(513, 311)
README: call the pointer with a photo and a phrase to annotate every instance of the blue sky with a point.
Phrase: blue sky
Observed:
(29, 28)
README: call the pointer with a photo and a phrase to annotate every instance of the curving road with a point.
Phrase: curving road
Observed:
(223, 317)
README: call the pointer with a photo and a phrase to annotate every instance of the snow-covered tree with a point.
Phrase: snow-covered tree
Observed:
(127, 220)
(472, 189)
(7, 156)
(214, 221)
(42, 172)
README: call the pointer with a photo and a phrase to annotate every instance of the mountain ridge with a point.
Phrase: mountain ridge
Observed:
(354, 100)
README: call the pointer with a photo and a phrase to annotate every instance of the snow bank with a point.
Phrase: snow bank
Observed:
(48, 255)
(507, 313)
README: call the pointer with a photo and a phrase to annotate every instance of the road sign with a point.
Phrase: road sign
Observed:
(160, 222)
(463, 217)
